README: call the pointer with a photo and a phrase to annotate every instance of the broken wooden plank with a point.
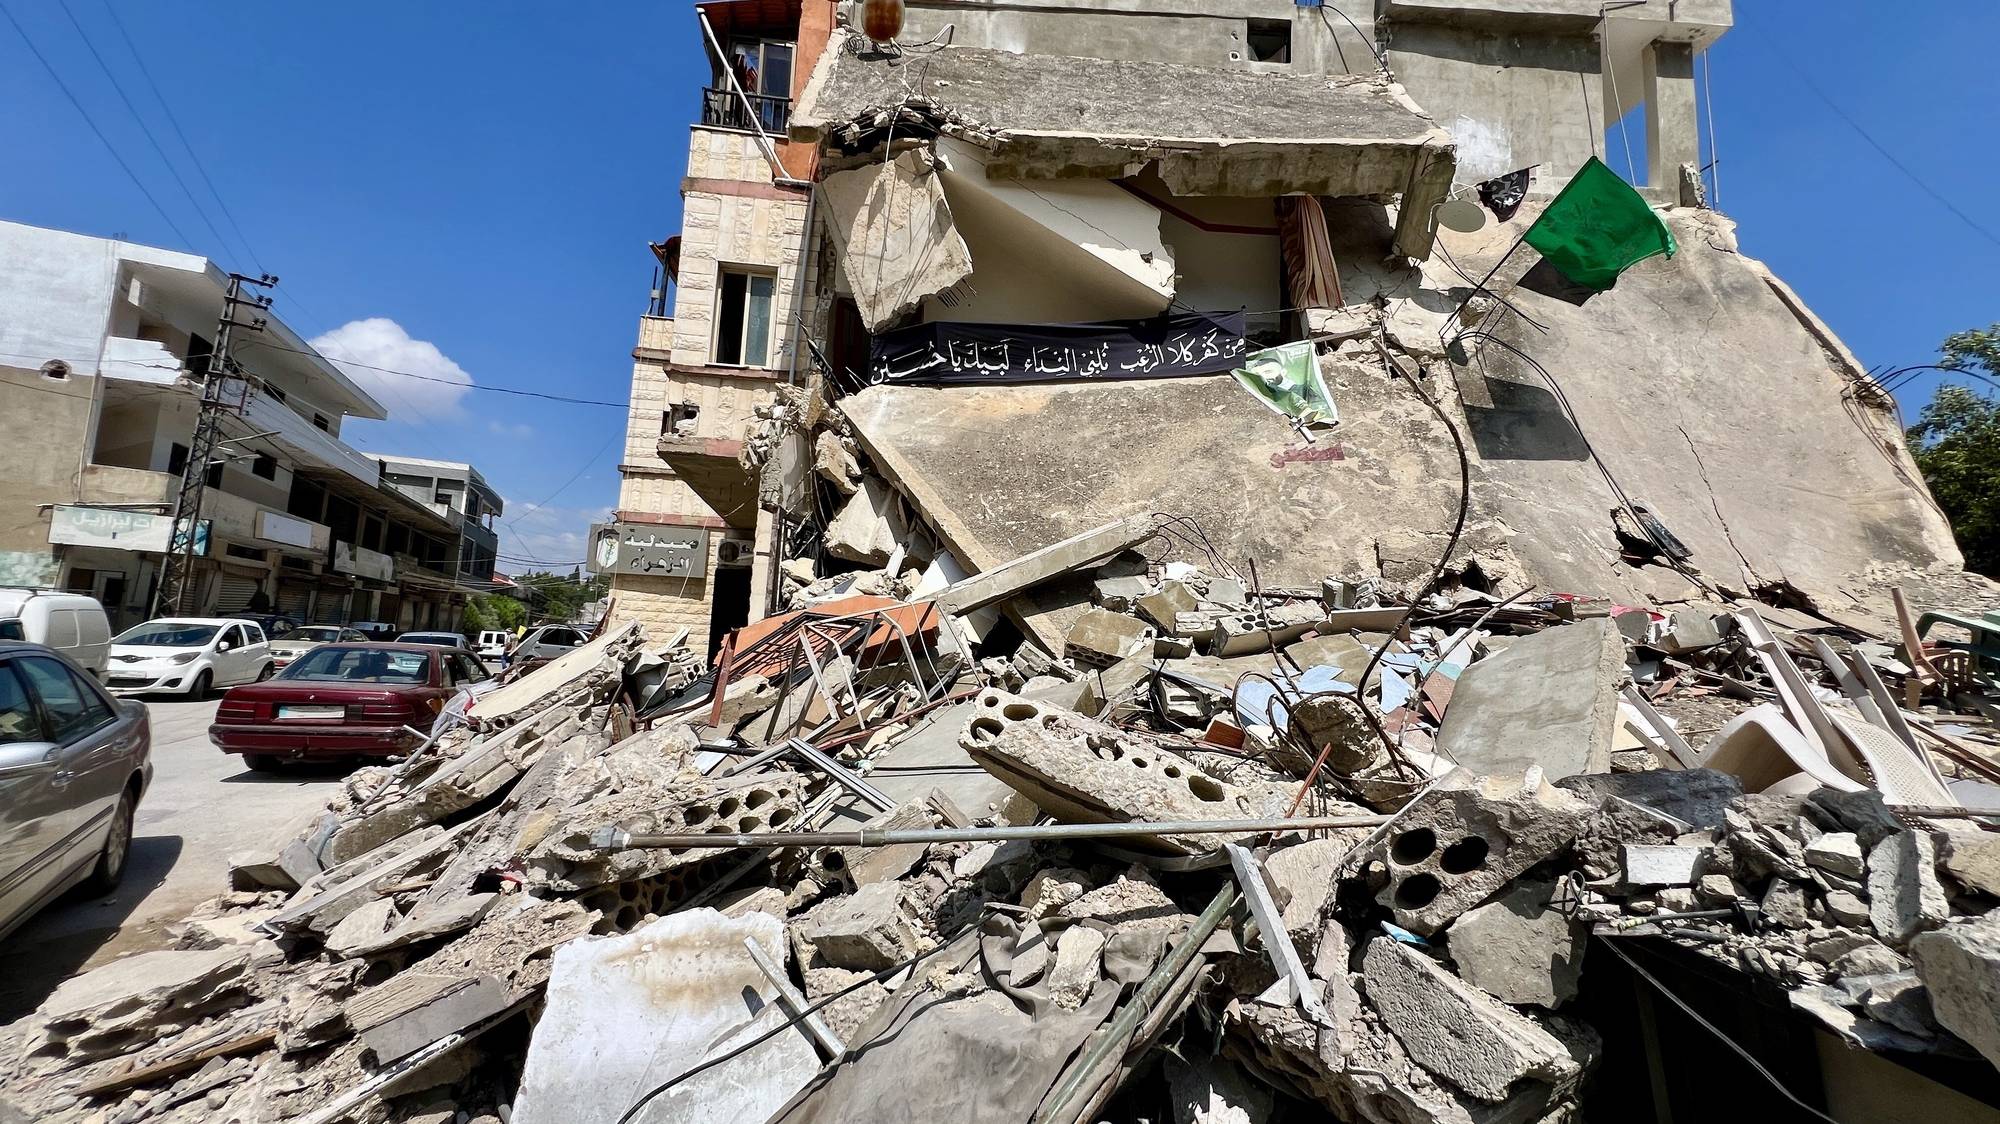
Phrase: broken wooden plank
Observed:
(174, 1067)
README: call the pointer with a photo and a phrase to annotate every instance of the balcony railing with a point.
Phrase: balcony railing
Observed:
(722, 109)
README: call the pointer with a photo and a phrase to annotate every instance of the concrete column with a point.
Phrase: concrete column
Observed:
(763, 559)
(1673, 130)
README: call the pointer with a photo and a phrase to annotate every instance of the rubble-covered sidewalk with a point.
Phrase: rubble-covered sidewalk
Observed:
(1234, 848)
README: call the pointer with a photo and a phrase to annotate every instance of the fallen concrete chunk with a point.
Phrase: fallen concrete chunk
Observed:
(594, 667)
(625, 1014)
(1163, 607)
(1960, 967)
(559, 853)
(1075, 970)
(1665, 866)
(1550, 700)
(1904, 894)
(882, 864)
(412, 1010)
(869, 526)
(1456, 1031)
(1303, 875)
(1519, 949)
(1101, 638)
(361, 928)
(865, 930)
(1466, 838)
(1972, 858)
(1836, 852)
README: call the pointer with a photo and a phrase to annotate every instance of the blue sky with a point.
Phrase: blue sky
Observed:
(467, 190)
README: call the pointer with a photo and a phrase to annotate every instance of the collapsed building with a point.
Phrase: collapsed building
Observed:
(1510, 709)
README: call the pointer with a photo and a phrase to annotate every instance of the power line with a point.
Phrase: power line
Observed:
(88, 120)
(1806, 80)
(448, 382)
(200, 211)
(174, 121)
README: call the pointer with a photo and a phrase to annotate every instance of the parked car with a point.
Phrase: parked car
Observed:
(439, 639)
(491, 646)
(375, 630)
(276, 626)
(191, 655)
(546, 643)
(305, 638)
(70, 623)
(341, 700)
(74, 763)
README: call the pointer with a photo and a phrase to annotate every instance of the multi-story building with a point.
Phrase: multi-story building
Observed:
(738, 284)
(102, 345)
(458, 492)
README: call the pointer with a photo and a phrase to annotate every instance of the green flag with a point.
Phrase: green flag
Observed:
(1597, 228)
(1286, 378)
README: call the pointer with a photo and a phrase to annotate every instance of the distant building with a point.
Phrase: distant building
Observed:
(102, 343)
(456, 491)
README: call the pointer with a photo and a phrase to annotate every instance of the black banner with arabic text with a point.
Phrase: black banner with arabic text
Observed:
(956, 354)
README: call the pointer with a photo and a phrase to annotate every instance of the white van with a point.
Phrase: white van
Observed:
(492, 646)
(71, 623)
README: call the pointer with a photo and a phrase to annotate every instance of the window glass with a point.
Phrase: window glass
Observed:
(62, 629)
(470, 670)
(73, 709)
(10, 629)
(233, 635)
(757, 321)
(255, 634)
(167, 634)
(18, 720)
(359, 665)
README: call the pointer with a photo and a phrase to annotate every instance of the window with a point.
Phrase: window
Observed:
(198, 352)
(254, 633)
(73, 709)
(10, 629)
(18, 720)
(177, 459)
(678, 421)
(743, 318)
(232, 636)
(265, 466)
(320, 421)
(1269, 40)
(215, 474)
(274, 391)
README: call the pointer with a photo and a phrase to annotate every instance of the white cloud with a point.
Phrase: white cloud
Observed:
(556, 535)
(359, 346)
(504, 429)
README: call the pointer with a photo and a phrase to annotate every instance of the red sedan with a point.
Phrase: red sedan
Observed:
(342, 700)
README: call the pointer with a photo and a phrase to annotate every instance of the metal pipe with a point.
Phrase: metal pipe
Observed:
(842, 775)
(1142, 1002)
(794, 1002)
(610, 838)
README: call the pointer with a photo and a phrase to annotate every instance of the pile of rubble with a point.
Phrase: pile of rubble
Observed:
(1230, 848)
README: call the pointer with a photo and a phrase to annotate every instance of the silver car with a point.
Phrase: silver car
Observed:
(546, 643)
(74, 762)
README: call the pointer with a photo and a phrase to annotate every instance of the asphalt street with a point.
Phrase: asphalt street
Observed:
(202, 807)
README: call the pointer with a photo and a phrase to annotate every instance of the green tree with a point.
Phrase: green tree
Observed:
(563, 595)
(493, 611)
(1956, 442)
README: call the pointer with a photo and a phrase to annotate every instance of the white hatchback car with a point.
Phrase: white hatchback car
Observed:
(189, 655)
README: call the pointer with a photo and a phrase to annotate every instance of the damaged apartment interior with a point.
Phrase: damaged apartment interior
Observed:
(1223, 563)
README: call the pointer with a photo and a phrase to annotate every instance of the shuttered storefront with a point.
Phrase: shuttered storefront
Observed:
(294, 599)
(234, 593)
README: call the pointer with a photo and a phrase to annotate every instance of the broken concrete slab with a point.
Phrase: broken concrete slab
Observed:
(1960, 966)
(894, 229)
(1456, 1031)
(598, 666)
(1303, 875)
(929, 758)
(1465, 838)
(1694, 796)
(1075, 970)
(999, 579)
(1550, 700)
(411, 1010)
(866, 930)
(1519, 949)
(1904, 894)
(110, 1009)
(1083, 771)
(1164, 607)
(625, 1014)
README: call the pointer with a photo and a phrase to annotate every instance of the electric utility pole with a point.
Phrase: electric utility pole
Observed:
(176, 587)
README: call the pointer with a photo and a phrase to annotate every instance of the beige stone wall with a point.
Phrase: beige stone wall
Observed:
(719, 230)
(716, 154)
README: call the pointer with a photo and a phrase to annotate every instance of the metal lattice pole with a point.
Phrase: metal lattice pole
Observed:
(176, 586)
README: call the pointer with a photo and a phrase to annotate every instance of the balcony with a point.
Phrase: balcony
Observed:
(231, 516)
(314, 448)
(722, 109)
